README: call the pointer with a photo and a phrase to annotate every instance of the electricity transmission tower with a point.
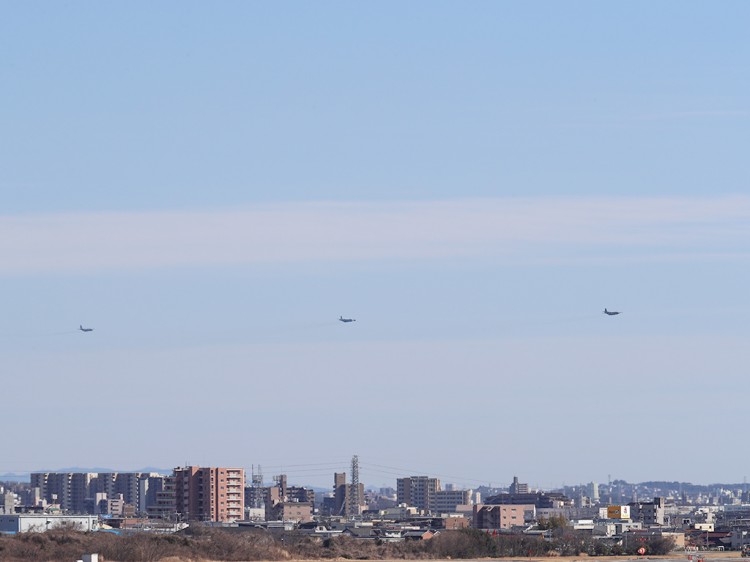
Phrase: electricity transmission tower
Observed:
(354, 500)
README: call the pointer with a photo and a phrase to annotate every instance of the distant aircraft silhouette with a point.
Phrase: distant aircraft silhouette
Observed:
(610, 312)
(342, 319)
(80, 327)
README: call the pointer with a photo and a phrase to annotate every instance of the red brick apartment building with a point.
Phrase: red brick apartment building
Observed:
(209, 493)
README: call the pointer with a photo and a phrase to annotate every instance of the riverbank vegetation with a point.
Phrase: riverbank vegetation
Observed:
(225, 544)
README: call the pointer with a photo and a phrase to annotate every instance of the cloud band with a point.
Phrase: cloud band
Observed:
(522, 229)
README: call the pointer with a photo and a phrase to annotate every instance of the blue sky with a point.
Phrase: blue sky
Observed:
(210, 186)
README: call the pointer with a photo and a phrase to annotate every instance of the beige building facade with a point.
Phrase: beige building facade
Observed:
(503, 516)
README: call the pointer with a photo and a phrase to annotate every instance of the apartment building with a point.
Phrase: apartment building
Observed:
(417, 491)
(340, 493)
(518, 487)
(504, 516)
(448, 501)
(299, 512)
(209, 493)
(70, 490)
(340, 504)
(648, 513)
(79, 492)
(165, 504)
(283, 502)
(542, 500)
(149, 487)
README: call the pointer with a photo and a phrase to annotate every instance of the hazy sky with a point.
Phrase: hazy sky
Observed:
(210, 185)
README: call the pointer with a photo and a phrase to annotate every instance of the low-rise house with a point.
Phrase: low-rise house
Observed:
(451, 523)
(422, 535)
(360, 532)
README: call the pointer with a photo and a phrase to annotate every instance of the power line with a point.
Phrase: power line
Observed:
(406, 472)
(335, 464)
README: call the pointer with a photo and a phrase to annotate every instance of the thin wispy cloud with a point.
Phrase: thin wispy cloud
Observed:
(512, 229)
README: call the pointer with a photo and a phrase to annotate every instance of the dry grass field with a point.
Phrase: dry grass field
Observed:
(203, 544)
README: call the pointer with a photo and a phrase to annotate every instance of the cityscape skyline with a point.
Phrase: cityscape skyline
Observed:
(612, 518)
(231, 494)
(321, 479)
